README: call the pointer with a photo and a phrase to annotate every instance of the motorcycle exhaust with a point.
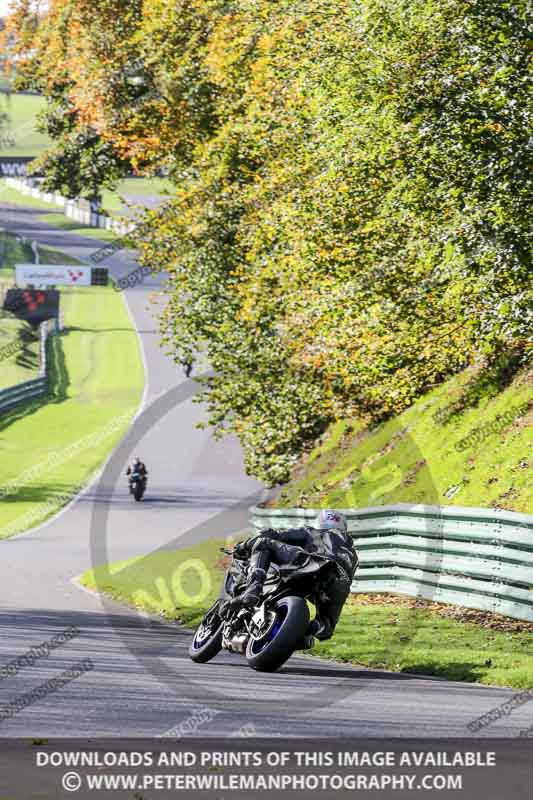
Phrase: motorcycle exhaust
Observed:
(237, 644)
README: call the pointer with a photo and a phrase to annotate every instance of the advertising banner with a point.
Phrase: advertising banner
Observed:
(52, 275)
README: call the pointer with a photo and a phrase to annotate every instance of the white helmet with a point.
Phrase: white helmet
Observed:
(327, 518)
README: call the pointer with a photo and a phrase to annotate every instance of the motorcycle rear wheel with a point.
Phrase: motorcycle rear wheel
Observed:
(268, 653)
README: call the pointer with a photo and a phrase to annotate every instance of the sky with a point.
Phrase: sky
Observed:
(4, 7)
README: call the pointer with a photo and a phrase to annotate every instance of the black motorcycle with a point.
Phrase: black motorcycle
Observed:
(137, 485)
(269, 633)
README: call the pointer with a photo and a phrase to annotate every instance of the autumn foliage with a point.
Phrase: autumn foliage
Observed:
(350, 218)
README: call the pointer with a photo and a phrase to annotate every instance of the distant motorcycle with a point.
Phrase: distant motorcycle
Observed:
(269, 633)
(137, 483)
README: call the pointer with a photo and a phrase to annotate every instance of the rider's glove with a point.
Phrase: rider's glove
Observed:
(241, 550)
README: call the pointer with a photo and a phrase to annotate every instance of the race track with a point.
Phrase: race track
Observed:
(143, 683)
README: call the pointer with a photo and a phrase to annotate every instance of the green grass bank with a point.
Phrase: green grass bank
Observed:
(466, 442)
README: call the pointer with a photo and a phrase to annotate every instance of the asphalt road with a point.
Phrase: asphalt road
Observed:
(143, 683)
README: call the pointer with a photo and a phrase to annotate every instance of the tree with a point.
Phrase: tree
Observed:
(350, 219)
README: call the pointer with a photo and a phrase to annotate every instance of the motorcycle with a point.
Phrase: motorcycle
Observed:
(137, 485)
(269, 633)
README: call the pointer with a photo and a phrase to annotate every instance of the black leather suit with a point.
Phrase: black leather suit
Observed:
(292, 547)
(140, 467)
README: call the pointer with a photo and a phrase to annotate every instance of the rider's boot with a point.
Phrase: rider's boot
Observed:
(259, 563)
(308, 640)
(307, 643)
(315, 627)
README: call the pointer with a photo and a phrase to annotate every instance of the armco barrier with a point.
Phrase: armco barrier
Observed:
(472, 557)
(37, 387)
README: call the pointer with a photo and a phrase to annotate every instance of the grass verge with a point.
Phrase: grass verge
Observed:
(18, 339)
(393, 634)
(49, 449)
(178, 585)
(76, 228)
(408, 638)
(20, 134)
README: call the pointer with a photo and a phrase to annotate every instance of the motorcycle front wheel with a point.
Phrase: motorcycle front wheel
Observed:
(207, 640)
(269, 649)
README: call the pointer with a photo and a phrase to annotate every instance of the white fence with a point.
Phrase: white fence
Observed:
(71, 208)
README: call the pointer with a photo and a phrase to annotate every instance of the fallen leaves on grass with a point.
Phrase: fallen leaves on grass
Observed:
(485, 619)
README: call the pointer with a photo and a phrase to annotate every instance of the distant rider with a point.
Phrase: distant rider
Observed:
(137, 467)
(187, 364)
(328, 537)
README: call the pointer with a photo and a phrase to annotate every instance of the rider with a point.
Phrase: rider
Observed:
(138, 466)
(328, 537)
